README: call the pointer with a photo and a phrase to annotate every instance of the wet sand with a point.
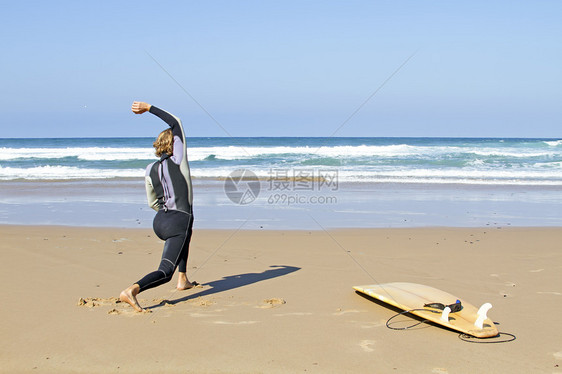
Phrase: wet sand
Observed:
(122, 203)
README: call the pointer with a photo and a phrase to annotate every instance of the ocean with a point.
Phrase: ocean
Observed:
(379, 160)
(351, 176)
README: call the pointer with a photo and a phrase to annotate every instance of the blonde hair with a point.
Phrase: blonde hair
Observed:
(164, 143)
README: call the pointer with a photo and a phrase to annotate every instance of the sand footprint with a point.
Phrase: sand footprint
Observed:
(371, 325)
(549, 293)
(129, 312)
(202, 302)
(92, 302)
(272, 303)
(366, 345)
(293, 314)
(536, 271)
(440, 371)
(202, 315)
(340, 312)
(163, 302)
(235, 323)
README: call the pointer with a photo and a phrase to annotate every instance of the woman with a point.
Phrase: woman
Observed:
(168, 189)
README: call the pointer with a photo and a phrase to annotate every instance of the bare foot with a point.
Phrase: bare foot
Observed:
(129, 296)
(183, 283)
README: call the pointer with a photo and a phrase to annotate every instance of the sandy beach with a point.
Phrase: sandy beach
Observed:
(319, 147)
(274, 301)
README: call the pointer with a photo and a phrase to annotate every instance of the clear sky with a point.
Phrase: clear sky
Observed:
(283, 68)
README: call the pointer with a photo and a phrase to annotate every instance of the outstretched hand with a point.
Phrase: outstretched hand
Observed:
(140, 107)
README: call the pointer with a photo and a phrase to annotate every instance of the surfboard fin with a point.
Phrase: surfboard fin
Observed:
(482, 315)
(445, 314)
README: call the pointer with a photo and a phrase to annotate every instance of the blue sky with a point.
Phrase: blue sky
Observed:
(291, 68)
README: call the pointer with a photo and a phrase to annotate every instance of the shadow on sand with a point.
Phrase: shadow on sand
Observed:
(235, 281)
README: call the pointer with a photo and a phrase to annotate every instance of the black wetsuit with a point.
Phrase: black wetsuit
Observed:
(169, 191)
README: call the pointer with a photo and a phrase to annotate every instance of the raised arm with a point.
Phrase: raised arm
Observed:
(180, 151)
(140, 107)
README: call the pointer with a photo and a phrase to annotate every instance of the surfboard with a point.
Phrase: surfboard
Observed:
(416, 297)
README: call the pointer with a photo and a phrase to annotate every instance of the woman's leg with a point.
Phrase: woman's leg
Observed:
(173, 227)
(183, 282)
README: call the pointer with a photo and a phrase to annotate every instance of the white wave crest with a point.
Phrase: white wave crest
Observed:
(431, 176)
(223, 152)
(243, 153)
(66, 173)
(555, 164)
(86, 153)
(512, 152)
(550, 176)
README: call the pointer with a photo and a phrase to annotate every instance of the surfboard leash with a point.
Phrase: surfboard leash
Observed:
(472, 339)
(462, 336)
(402, 313)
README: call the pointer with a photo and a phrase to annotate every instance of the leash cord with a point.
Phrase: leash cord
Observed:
(507, 337)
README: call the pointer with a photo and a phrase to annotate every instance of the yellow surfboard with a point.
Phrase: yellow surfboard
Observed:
(424, 301)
